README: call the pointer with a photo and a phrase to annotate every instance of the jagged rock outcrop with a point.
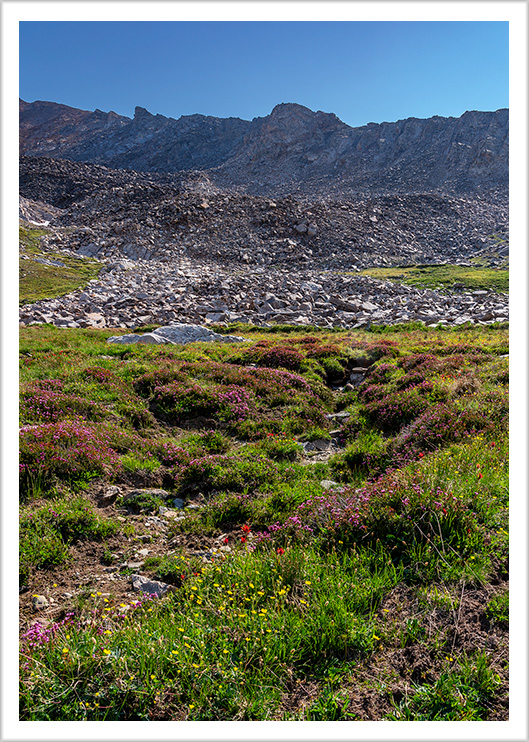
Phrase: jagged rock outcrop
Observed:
(292, 150)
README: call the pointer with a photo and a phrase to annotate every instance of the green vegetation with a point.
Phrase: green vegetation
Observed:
(446, 277)
(368, 582)
(40, 281)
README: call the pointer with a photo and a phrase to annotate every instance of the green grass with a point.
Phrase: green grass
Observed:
(38, 281)
(445, 276)
(335, 590)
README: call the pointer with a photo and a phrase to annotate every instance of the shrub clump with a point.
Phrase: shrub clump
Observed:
(66, 450)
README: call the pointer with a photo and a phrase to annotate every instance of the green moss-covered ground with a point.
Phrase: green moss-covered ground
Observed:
(39, 281)
(448, 277)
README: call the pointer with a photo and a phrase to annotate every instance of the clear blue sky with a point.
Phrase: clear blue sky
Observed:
(361, 71)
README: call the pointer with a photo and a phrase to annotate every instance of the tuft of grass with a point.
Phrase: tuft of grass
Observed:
(461, 693)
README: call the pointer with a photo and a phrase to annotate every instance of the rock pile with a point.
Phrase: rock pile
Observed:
(173, 249)
(118, 214)
(130, 294)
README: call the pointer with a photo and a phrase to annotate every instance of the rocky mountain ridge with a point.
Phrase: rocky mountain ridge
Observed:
(293, 150)
(262, 222)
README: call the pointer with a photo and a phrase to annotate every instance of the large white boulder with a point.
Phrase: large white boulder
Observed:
(178, 334)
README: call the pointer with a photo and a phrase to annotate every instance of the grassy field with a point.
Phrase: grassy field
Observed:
(448, 277)
(363, 579)
(40, 281)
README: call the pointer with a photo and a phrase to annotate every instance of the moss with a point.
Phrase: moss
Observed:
(445, 276)
(39, 281)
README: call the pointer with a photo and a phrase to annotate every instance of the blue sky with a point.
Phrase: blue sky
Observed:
(361, 71)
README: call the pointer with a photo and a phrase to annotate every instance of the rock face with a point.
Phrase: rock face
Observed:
(292, 150)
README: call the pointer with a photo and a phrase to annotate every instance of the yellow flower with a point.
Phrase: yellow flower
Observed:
(307, 582)
(191, 705)
(153, 677)
(106, 651)
(65, 650)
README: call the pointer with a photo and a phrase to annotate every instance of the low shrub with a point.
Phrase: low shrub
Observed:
(39, 403)
(64, 450)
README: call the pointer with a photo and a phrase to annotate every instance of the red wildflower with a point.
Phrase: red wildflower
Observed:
(480, 476)
(280, 551)
(243, 539)
(225, 540)
(245, 528)
(421, 455)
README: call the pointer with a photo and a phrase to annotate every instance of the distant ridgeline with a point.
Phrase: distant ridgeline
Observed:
(292, 150)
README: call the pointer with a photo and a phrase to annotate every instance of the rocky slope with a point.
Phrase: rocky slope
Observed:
(272, 222)
(292, 150)
(115, 213)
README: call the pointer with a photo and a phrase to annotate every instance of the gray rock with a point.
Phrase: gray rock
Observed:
(322, 444)
(178, 503)
(133, 494)
(150, 587)
(39, 602)
(338, 415)
(147, 339)
(329, 484)
(178, 334)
